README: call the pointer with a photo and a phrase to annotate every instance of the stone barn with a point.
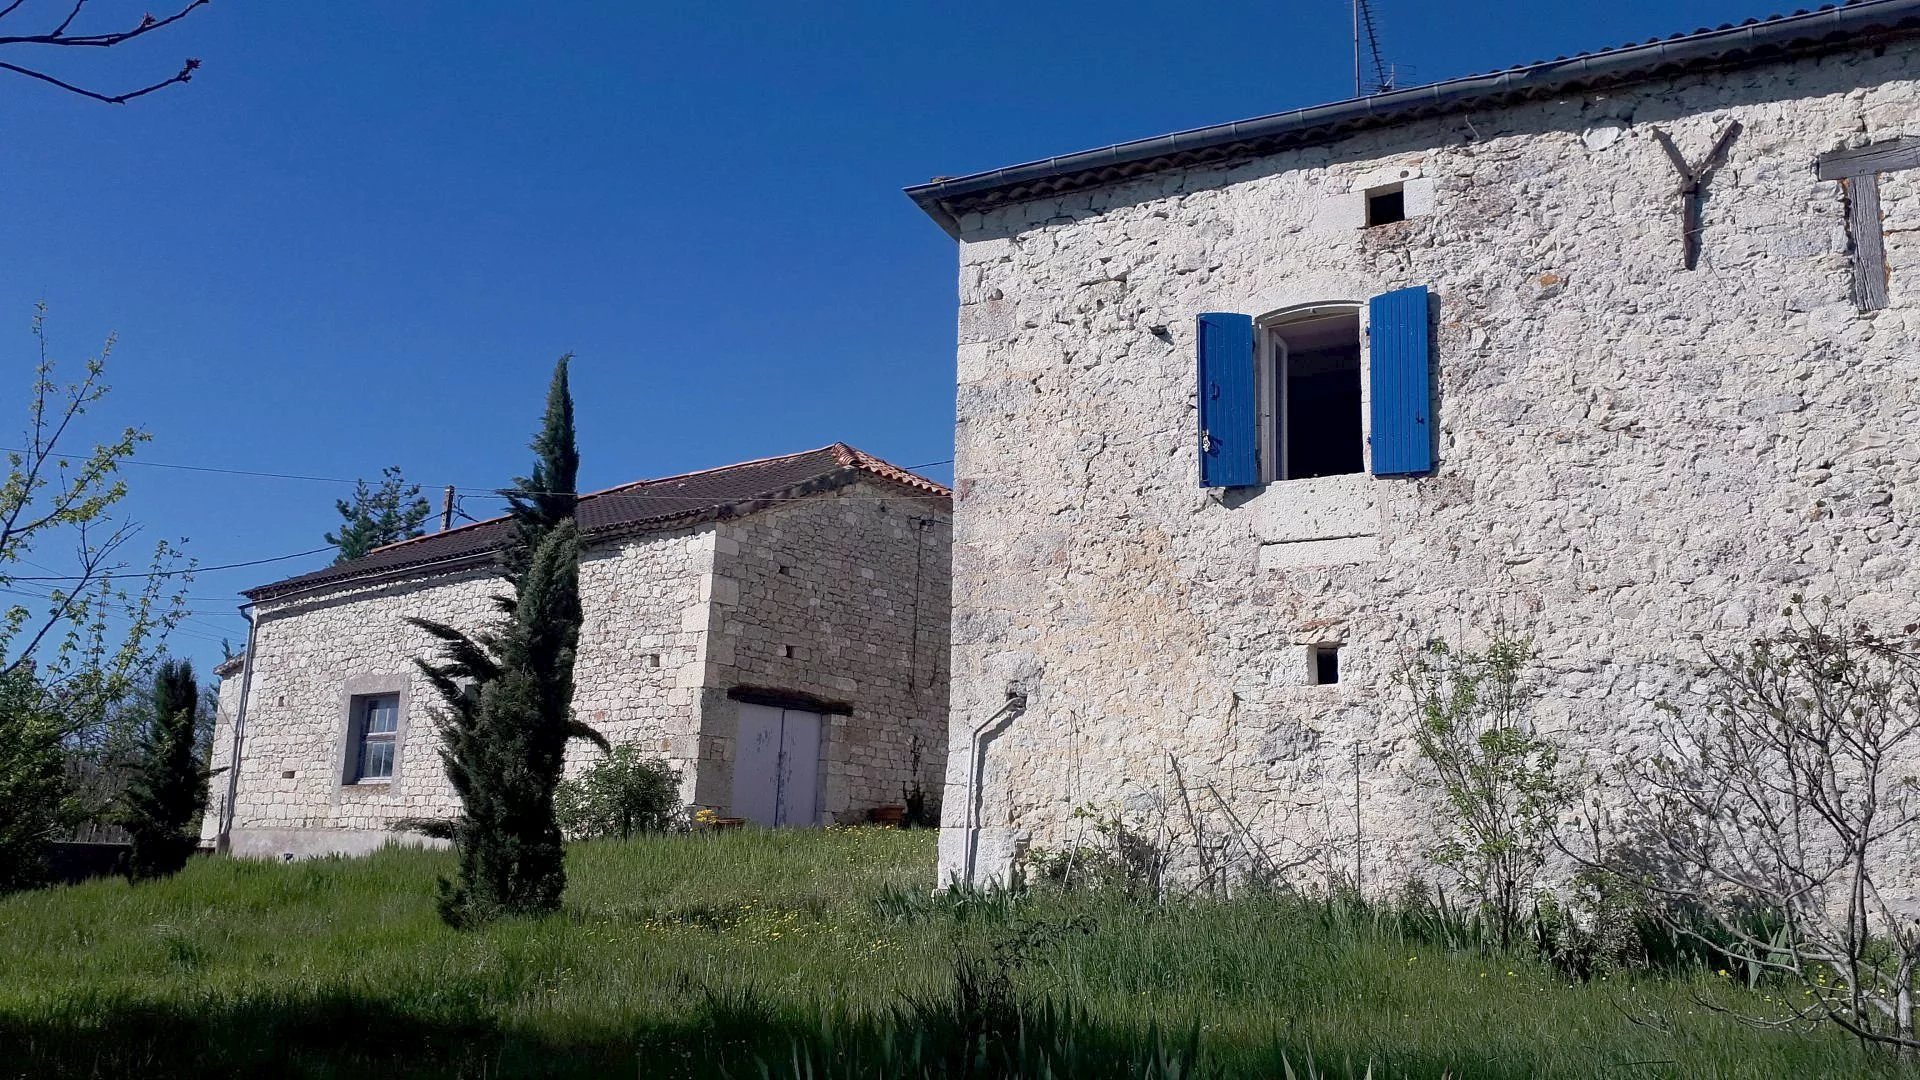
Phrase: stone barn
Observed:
(777, 630)
(1618, 350)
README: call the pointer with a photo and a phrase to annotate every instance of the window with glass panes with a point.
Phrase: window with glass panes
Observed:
(378, 721)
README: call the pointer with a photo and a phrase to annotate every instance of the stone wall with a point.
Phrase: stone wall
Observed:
(1637, 463)
(220, 758)
(309, 655)
(840, 597)
(844, 598)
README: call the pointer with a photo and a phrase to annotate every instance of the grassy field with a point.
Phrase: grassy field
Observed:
(815, 953)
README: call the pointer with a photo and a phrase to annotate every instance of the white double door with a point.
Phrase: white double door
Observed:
(776, 766)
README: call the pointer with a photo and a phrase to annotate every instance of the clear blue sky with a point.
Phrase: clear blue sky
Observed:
(363, 233)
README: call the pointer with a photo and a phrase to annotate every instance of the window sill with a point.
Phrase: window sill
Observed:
(1316, 508)
(381, 782)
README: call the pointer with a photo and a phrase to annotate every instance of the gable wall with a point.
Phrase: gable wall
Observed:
(1637, 462)
(864, 603)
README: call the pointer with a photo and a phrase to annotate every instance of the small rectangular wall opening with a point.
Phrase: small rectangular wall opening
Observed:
(1323, 664)
(1386, 205)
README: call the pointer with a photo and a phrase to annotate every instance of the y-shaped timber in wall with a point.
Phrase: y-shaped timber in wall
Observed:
(1859, 172)
(1693, 186)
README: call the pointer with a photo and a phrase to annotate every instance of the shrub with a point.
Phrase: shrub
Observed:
(1499, 776)
(619, 795)
(1120, 857)
(1598, 928)
(923, 810)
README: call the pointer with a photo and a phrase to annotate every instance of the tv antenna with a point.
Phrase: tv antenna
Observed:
(1365, 32)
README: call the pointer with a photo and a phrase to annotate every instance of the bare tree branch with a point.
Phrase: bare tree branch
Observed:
(68, 21)
(1767, 819)
(60, 37)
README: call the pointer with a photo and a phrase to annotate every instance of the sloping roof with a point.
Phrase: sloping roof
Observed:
(1757, 41)
(644, 506)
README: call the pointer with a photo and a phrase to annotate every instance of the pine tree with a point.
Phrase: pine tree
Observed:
(387, 514)
(170, 781)
(508, 696)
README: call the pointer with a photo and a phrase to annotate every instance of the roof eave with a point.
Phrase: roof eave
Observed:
(281, 590)
(1804, 33)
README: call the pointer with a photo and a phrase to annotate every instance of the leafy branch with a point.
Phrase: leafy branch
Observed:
(57, 630)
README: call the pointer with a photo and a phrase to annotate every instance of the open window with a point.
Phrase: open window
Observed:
(1311, 390)
(1280, 398)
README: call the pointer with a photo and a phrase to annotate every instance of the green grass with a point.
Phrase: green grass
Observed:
(815, 953)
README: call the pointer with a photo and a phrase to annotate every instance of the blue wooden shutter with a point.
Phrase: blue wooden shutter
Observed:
(1400, 355)
(1229, 420)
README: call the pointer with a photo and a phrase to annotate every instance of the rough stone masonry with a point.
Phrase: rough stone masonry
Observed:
(831, 593)
(1635, 463)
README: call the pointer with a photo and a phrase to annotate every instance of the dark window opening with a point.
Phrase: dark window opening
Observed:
(1319, 400)
(1386, 207)
(1326, 665)
(787, 651)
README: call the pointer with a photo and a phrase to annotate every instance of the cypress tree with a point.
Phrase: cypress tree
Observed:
(540, 502)
(169, 783)
(508, 695)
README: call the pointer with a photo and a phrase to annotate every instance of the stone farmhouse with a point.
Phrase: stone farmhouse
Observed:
(1617, 350)
(776, 629)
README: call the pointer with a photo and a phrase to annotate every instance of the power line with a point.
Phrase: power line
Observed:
(46, 593)
(178, 573)
(200, 468)
(186, 616)
(195, 613)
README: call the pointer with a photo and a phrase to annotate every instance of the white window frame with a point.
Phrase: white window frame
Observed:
(1271, 382)
(363, 706)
